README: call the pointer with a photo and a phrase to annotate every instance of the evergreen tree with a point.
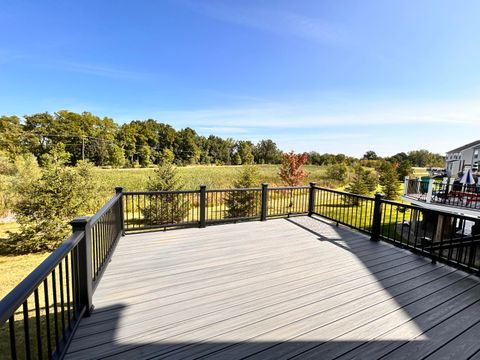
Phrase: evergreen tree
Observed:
(389, 180)
(404, 169)
(165, 208)
(358, 185)
(243, 204)
(47, 205)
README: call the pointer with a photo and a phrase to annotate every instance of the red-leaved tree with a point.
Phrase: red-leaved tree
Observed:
(291, 171)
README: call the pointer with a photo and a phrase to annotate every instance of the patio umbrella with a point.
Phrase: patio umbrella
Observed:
(467, 178)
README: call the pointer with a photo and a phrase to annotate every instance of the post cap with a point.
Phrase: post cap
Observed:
(79, 222)
(118, 189)
(313, 183)
(379, 195)
(264, 184)
(203, 186)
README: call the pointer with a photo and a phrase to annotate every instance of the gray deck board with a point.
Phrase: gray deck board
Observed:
(296, 288)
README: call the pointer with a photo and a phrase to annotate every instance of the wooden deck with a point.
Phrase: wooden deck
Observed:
(287, 288)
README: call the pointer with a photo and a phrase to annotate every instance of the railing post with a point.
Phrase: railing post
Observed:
(311, 198)
(405, 186)
(429, 191)
(377, 217)
(263, 215)
(119, 190)
(203, 205)
(84, 264)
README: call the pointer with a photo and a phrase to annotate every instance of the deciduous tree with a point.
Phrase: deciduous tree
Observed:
(291, 168)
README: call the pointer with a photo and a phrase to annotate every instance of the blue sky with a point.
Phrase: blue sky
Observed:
(331, 76)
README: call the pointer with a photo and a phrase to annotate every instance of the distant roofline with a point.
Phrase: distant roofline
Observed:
(461, 148)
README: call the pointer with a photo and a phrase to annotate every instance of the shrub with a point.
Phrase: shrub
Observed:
(338, 172)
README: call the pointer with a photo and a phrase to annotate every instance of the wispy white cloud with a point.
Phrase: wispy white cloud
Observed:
(103, 70)
(312, 115)
(270, 20)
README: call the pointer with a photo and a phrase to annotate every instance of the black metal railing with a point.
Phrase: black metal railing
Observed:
(189, 208)
(227, 205)
(104, 229)
(355, 211)
(156, 209)
(39, 316)
(287, 201)
(444, 236)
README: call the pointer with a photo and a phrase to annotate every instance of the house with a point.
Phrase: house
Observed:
(462, 158)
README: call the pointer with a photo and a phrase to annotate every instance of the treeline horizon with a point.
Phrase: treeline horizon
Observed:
(142, 143)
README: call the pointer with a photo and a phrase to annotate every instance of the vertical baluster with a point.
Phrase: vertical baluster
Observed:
(94, 252)
(384, 220)
(126, 211)
(403, 224)
(11, 329)
(361, 220)
(67, 275)
(26, 330)
(337, 209)
(390, 222)
(47, 317)
(96, 233)
(62, 300)
(55, 311)
(38, 325)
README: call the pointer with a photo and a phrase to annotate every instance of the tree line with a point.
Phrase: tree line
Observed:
(142, 143)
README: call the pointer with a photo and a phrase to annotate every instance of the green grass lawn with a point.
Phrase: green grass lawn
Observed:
(14, 269)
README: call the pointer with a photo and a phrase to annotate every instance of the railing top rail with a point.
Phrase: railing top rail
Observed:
(288, 187)
(345, 193)
(160, 192)
(233, 189)
(15, 298)
(92, 221)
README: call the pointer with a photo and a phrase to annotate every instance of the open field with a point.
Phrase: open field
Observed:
(194, 176)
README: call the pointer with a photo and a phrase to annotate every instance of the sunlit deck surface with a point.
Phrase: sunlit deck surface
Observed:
(284, 288)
